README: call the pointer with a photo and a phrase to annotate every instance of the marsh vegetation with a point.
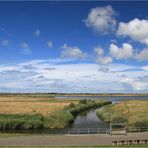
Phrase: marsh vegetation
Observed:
(27, 112)
(133, 113)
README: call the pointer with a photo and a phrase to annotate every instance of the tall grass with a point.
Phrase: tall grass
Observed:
(59, 119)
(8, 121)
(132, 112)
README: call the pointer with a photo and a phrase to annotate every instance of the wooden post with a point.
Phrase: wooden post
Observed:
(110, 128)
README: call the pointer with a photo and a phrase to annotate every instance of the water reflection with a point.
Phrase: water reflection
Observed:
(88, 119)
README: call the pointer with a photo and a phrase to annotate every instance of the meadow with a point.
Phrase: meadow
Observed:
(133, 113)
(39, 111)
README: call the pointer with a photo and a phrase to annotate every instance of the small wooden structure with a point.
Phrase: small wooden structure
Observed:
(129, 142)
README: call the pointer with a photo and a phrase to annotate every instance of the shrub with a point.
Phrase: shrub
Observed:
(59, 119)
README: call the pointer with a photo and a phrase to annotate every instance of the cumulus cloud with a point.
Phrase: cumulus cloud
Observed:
(99, 51)
(125, 52)
(142, 55)
(104, 60)
(49, 44)
(37, 33)
(100, 57)
(72, 52)
(101, 19)
(136, 29)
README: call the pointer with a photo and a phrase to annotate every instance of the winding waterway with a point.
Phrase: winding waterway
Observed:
(88, 119)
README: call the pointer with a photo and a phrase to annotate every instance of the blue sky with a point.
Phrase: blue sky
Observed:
(51, 46)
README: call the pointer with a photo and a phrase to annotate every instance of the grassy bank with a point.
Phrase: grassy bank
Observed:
(62, 118)
(133, 113)
(58, 119)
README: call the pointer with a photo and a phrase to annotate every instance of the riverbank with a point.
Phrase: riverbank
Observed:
(133, 113)
(35, 113)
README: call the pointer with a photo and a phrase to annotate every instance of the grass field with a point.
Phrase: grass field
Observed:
(30, 105)
(133, 112)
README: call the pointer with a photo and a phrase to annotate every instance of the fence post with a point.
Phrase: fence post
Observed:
(97, 131)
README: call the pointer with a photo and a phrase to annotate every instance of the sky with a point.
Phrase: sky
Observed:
(74, 46)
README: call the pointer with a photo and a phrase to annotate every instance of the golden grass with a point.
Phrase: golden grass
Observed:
(45, 108)
(134, 111)
(29, 105)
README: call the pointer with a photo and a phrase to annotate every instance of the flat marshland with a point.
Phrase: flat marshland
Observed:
(31, 105)
(132, 112)
(32, 111)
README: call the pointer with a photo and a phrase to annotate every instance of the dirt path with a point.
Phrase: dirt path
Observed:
(67, 140)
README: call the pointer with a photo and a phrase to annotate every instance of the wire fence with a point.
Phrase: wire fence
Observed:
(106, 130)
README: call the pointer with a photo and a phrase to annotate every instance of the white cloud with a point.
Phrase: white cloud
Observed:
(99, 51)
(100, 57)
(25, 48)
(137, 84)
(145, 68)
(104, 60)
(72, 52)
(5, 42)
(125, 52)
(24, 45)
(142, 55)
(37, 33)
(136, 29)
(59, 75)
(101, 19)
(103, 69)
(26, 51)
(49, 44)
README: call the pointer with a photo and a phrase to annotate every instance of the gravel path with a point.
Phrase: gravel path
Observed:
(67, 140)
